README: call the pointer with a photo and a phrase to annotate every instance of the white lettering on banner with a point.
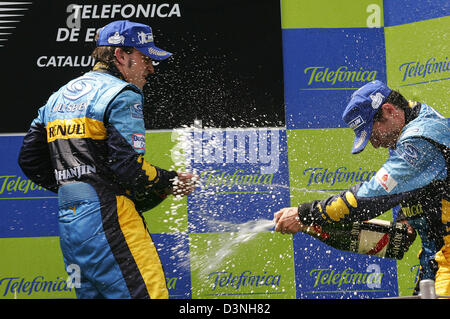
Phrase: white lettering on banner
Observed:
(73, 35)
(73, 32)
(74, 278)
(374, 19)
(228, 146)
(374, 277)
(73, 20)
(62, 61)
(125, 11)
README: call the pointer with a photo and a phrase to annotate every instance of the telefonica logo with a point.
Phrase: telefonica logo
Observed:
(17, 184)
(18, 285)
(419, 69)
(218, 178)
(320, 175)
(124, 11)
(372, 277)
(245, 279)
(321, 74)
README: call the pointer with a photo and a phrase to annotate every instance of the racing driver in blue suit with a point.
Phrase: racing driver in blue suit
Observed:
(415, 176)
(87, 144)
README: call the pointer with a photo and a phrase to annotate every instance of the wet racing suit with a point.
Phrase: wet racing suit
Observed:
(416, 176)
(87, 144)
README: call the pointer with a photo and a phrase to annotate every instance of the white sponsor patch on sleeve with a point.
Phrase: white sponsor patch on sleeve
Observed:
(139, 141)
(385, 180)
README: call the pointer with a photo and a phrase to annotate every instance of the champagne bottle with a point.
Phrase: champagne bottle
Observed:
(374, 237)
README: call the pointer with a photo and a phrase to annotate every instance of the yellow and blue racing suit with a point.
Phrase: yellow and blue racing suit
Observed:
(87, 144)
(416, 176)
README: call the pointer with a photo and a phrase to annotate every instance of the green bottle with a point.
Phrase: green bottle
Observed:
(374, 237)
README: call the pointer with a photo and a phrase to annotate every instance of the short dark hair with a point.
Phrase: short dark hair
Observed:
(396, 99)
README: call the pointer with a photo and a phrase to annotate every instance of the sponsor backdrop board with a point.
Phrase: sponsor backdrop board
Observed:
(321, 78)
(316, 172)
(422, 72)
(359, 40)
(278, 138)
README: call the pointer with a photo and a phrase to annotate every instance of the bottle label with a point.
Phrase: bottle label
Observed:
(374, 237)
(373, 243)
(380, 238)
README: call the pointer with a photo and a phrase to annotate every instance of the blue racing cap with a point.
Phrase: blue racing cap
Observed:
(364, 104)
(124, 33)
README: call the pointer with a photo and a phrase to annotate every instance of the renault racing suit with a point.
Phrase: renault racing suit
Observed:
(416, 176)
(87, 144)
